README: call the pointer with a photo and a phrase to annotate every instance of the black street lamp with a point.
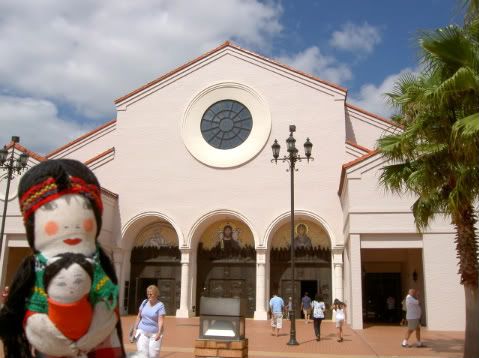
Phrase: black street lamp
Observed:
(11, 166)
(292, 158)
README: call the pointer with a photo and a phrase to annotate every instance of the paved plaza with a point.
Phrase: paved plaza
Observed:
(375, 341)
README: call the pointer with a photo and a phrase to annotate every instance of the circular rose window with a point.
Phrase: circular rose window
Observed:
(217, 126)
(226, 124)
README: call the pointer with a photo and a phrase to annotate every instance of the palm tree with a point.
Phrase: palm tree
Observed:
(436, 154)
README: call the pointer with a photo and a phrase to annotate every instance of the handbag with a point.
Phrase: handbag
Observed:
(132, 337)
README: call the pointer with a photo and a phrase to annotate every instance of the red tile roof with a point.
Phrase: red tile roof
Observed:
(86, 135)
(109, 193)
(352, 163)
(22, 149)
(382, 119)
(360, 147)
(40, 158)
(106, 152)
(217, 49)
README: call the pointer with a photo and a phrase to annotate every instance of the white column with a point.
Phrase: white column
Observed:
(260, 313)
(356, 318)
(183, 311)
(337, 253)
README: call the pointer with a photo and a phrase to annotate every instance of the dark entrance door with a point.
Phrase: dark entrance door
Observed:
(309, 286)
(167, 287)
(228, 274)
(377, 288)
(159, 267)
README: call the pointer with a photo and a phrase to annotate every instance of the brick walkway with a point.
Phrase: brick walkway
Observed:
(376, 341)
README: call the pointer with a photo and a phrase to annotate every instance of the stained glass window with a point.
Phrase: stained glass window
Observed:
(226, 124)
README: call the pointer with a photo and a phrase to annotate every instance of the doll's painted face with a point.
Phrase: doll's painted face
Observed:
(66, 224)
(69, 285)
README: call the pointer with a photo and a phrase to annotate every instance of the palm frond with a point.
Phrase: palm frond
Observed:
(462, 81)
(425, 208)
(395, 176)
(467, 126)
(447, 47)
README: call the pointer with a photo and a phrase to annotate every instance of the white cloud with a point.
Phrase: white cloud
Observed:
(372, 98)
(36, 122)
(326, 67)
(87, 53)
(356, 38)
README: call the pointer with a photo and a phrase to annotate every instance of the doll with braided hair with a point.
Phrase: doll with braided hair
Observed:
(63, 301)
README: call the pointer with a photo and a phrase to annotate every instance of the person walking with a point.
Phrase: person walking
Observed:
(340, 315)
(391, 308)
(289, 307)
(403, 312)
(276, 305)
(149, 325)
(306, 307)
(413, 316)
(318, 308)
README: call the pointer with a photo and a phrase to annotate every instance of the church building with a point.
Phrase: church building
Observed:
(194, 203)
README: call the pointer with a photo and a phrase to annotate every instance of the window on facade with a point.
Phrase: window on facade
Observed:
(226, 124)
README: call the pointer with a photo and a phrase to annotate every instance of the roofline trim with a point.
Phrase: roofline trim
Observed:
(22, 149)
(357, 146)
(99, 156)
(351, 164)
(79, 139)
(382, 119)
(217, 49)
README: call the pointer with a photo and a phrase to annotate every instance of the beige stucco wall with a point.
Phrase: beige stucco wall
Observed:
(157, 178)
(185, 189)
(364, 129)
(445, 305)
(90, 146)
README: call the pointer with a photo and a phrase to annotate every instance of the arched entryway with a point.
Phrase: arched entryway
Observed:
(313, 272)
(155, 260)
(226, 262)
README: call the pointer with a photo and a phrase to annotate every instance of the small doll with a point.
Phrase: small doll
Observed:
(67, 281)
(61, 205)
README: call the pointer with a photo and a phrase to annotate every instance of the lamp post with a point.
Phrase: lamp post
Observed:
(11, 166)
(292, 157)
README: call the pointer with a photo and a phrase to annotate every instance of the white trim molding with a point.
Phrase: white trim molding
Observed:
(220, 158)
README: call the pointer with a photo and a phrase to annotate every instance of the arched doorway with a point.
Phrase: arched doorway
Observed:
(226, 263)
(313, 272)
(155, 260)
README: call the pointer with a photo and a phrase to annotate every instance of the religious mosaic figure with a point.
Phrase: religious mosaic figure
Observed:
(228, 239)
(302, 240)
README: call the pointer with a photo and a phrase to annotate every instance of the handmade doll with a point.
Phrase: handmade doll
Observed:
(67, 283)
(60, 201)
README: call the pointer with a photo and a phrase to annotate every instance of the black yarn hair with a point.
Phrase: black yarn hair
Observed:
(12, 314)
(61, 170)
(65, 261)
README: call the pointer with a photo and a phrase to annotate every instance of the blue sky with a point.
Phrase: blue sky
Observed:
(64, 63)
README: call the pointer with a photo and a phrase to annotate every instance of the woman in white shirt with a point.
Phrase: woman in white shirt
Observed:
(340, 315)
(318, 307)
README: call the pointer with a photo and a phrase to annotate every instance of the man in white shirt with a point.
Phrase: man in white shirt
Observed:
(413, 316)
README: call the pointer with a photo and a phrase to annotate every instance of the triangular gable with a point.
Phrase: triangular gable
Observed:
(222, 47)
